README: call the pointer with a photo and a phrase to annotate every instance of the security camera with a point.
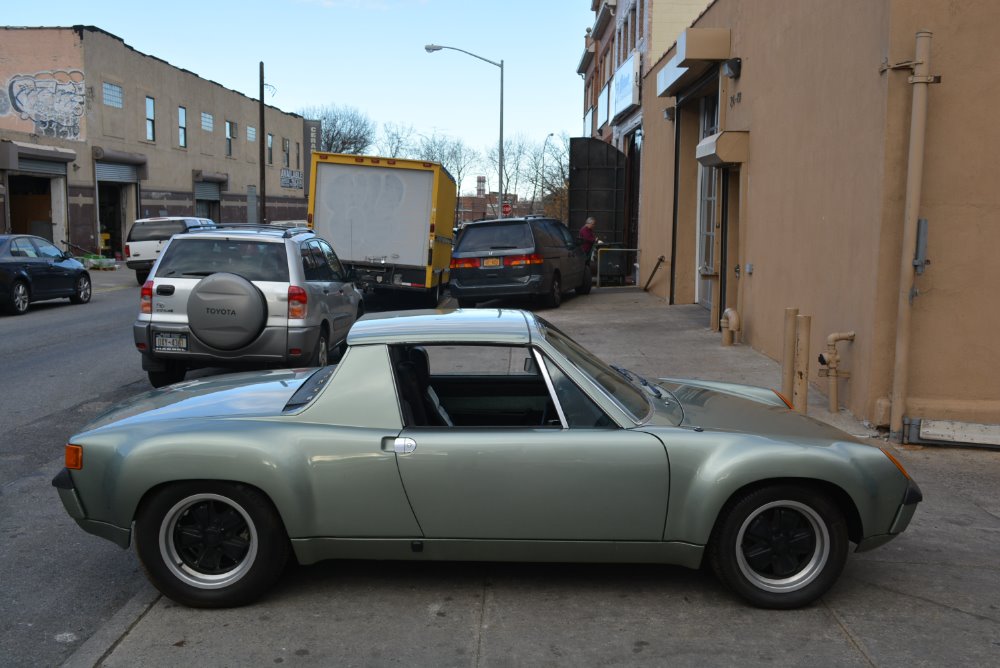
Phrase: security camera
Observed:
(823, 359)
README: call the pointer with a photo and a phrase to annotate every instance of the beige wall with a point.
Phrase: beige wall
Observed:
(821, 197)
(667, 19)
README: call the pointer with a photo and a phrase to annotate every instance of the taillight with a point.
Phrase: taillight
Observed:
(128, 251)
(522, 260)
(146, 298)
(465, 263)
(74, 457)
(297, 302)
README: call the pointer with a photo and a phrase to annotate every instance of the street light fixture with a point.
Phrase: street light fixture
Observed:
(431, 48)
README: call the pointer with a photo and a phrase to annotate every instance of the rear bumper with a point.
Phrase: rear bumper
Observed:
(529, 285)
(63, 482)
(144, 265)
(291, 346)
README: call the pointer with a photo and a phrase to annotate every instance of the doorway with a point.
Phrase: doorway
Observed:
(110, 218)
(30, 205)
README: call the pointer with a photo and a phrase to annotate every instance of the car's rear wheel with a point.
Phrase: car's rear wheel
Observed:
(321, 353)
(554, 298)
(210, 544)
(81, 290)
(780, 547)
(18, 299)
(170, 374)
(141, 276)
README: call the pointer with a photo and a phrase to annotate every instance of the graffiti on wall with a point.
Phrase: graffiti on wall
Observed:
(53, 101)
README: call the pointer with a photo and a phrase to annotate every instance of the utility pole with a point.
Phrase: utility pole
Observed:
(261, 139)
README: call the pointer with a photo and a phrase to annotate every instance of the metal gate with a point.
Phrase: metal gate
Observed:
(47, 167)
(116, 172)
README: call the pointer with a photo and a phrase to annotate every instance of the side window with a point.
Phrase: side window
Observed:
(331, 258)
(314, 262)
(471, 386)
(578, 409)
(542, 235)
(45, 249)
(565, 234)
(22, 247)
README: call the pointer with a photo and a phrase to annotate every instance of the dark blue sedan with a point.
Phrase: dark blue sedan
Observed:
(32, 269)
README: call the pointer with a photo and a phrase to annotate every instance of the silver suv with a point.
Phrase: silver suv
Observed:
(243, 295)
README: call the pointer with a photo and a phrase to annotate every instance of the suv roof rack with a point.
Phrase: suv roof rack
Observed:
(287, 232)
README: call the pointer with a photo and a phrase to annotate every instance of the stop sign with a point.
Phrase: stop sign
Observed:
(506, 209)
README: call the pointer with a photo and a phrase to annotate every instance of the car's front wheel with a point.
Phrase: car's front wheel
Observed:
(780, 547)
(81, 290)
(210, 544)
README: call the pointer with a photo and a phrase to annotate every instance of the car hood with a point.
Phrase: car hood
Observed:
(731, 407)
(248, 394)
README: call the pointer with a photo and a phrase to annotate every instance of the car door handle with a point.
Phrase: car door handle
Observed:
(165, 290)
(399, 445)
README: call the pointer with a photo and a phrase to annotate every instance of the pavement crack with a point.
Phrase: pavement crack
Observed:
(938, 604)
(854, 640)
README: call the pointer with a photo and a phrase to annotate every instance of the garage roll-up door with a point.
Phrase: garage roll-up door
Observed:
(117, 172)
(42, 167)
(207, 190)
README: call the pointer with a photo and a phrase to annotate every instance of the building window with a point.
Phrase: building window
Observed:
(182, 127)
(270, 148)
(230, 136)
(707, 205)
(113, 96)
(285, 151)
(207, 122)
(150, 119)
(298, 156)
(251, 133)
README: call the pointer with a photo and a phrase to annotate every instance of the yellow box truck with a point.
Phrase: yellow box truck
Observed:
(389, 219)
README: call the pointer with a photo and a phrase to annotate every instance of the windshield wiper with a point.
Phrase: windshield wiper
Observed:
(629, 376)
(624, 372)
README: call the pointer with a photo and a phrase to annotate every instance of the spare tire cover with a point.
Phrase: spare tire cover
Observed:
(226, 311)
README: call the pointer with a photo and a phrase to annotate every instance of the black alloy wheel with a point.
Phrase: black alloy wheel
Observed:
(780, 547)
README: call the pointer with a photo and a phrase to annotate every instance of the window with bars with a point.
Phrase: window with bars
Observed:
(113, 95)
(207, 121)
(150, 119)
(251, 133)
(182, 127)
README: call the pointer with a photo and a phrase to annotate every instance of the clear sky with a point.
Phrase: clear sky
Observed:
(367, 54)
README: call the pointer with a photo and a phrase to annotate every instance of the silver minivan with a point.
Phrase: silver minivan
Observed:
(147, 237)
(248, 296)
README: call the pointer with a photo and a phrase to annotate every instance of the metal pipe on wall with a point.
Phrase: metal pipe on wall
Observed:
(788, 352)
(914, 183)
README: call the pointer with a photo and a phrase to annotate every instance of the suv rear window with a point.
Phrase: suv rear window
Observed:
(156, 231)
(253, 260)
(495, 236)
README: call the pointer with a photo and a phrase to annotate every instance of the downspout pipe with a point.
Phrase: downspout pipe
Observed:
(914, 183)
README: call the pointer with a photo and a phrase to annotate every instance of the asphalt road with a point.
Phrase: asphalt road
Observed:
(62, 365)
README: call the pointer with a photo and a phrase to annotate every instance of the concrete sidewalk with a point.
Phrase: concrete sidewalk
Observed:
(931, 597)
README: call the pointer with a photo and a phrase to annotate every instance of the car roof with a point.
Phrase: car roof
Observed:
(518, 219)
(160, 219)
(478, 325)
(251, 231)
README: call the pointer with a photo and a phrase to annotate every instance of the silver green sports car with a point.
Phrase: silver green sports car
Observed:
(477, 434)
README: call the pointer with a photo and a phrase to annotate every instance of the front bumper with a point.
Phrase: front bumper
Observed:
(63, 482)
(904, 514)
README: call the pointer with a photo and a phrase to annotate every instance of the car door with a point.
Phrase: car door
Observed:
(59, 277)
(545, 481)
(575, 256)
(343, 296)
(33, 265)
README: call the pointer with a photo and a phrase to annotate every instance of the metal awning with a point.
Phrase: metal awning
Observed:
(729, 147)
(13, 152)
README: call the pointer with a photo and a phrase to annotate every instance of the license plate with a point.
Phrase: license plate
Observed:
(170, 342)
(491, 262)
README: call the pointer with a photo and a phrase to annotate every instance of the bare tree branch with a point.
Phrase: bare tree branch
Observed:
(344, 129)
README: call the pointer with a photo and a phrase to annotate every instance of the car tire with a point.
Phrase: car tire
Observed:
(588, 281)
(141, 276)
(19, 298)
(321, 353)
(210, 544)
(779, 547)
(433, 296)
(554, 298)
(171, 373)
(82, 290)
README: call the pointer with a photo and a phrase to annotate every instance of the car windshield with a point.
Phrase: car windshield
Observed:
(251, 259)
(494, 236)
(626, 394)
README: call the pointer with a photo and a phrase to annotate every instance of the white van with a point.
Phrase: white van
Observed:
(147, 237)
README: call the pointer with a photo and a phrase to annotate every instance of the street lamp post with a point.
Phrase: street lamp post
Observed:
(431, 48)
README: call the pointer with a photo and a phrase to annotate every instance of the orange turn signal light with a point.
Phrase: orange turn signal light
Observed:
(74, 457)
(785, 399)
(895, 461)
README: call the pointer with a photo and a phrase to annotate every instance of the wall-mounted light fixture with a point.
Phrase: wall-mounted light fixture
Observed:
(732, 67)
(668, 114)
